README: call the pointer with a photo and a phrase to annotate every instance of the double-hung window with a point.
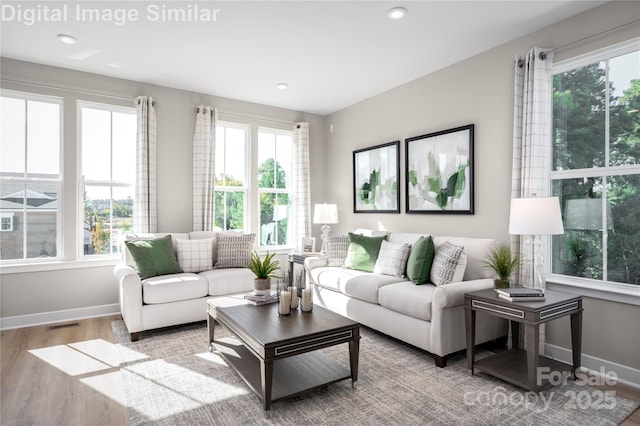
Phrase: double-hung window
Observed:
(596, 166)
(108, 141)
(231, 183)
(30, 176)
(275, 150)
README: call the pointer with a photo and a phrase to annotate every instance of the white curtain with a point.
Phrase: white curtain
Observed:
(204, 149)
(531, 138)
(532, 115)
(300, 225)
(145, 211)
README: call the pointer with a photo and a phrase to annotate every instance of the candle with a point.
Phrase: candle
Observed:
(294, 298)
(284, 305)
(307, 302)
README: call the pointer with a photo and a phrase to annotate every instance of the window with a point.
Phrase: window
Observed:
(275, 150)
(30, 176)
(108, 140)
(596, 165)
(231, 182)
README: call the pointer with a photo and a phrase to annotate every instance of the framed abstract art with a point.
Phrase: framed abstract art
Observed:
(376, 172)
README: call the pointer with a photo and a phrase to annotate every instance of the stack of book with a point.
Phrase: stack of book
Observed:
(521, 294)
(261, 299)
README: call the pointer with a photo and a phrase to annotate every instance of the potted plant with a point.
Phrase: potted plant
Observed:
(503, 264)
(264, 270)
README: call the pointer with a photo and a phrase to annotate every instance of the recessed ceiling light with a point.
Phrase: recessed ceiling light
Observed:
(397, 12)
(282, 86)
(65, 38)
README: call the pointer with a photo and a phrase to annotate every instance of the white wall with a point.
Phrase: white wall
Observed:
(37, 293)
(479, 90)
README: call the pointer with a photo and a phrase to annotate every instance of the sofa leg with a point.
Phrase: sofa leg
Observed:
(441, 361)
(135, 336)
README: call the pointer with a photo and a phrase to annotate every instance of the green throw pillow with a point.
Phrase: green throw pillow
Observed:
(154, 257)
(420, 260)
(363, 252)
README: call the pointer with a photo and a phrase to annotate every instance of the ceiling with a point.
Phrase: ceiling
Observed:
(332, 54)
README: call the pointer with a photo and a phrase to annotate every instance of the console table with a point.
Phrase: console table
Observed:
(299, 259)
(518, 366)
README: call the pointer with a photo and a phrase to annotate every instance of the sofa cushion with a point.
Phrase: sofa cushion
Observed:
(234, 251)
(363, 252)
(392, 259)
(128, 259)
(420, 260)
(476, 250)
(154, 257)
(445, 263)
(228, 280)
(407, 298)
(337, 247)
(173, 288)
(195, 255)
(365, 286)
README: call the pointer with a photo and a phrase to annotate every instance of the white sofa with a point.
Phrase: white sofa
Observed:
(166, 300)
(427, 316)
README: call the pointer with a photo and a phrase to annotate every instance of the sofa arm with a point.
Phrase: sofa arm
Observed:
(130, 292)
(449, 295)
(315, 262)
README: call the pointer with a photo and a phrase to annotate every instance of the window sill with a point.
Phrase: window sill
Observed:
(57, 265)
(621, 293)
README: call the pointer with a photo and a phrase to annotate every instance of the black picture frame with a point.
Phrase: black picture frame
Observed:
(380, 163)
(439, 172)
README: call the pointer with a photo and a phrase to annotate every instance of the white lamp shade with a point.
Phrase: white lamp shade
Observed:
(325, 213)
(535, 216)
(586, 214)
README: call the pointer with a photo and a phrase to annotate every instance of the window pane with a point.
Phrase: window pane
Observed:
(266, 155)
(12, 242)
(96, 144)
(43, 138)
(234, 158)
(97, 220)
(284, 145)
(578, 252)
(623, 247)
(12, 136)
(579, 118)
(42, 220)
(124, 147)
(229, 210)
(624, 77)
(274, 213)
(122, 216)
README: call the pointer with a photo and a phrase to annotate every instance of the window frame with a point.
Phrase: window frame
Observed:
(288, 190)
(609, 290)
(26, 180)
(247, 178)
(83, 183)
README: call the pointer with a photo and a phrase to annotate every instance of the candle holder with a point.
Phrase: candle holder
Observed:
(306, 301)
(284, 299)
(294, 298)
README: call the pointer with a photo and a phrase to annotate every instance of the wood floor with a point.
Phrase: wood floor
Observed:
(36, 390)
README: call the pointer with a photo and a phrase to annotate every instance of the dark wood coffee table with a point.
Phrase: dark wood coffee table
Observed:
(277, 356)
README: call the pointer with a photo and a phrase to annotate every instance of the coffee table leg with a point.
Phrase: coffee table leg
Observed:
(211, 323)
(354, 352)
(266, 376)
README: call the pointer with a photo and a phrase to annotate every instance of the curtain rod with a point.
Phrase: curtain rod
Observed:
(84, 92)
(592, 36)
(255, 117)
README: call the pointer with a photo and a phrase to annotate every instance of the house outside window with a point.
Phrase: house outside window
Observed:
(231, 179)
(275, 164)
(108, 141)
(595, 168)
(30, 176)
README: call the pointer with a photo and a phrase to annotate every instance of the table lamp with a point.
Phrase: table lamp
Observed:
(533, 217)
(325, 214)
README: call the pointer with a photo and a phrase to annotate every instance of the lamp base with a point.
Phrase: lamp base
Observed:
(326, 230)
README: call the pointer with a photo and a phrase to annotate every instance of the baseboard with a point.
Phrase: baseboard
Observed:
(31, 320)
(625, 375)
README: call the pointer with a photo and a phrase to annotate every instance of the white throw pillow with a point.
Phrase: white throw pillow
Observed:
(337, 248)
(234, 251)
(392, 259)
(445, 263)
(195, 255)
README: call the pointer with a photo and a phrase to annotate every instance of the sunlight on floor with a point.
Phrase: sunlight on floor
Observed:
(69, 360)
(180, 389)
(213, 357)
(111, 354)
(109, 385)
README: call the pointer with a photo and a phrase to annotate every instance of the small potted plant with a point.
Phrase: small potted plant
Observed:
(503, 264)
(264, 270)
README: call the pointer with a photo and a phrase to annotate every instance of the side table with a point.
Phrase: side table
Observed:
(298, 258)
(517, 366)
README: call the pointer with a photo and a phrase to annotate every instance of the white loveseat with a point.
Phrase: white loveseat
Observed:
(173, 299)
(427, 316)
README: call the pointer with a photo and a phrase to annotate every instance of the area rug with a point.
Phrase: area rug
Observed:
(176, 381)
